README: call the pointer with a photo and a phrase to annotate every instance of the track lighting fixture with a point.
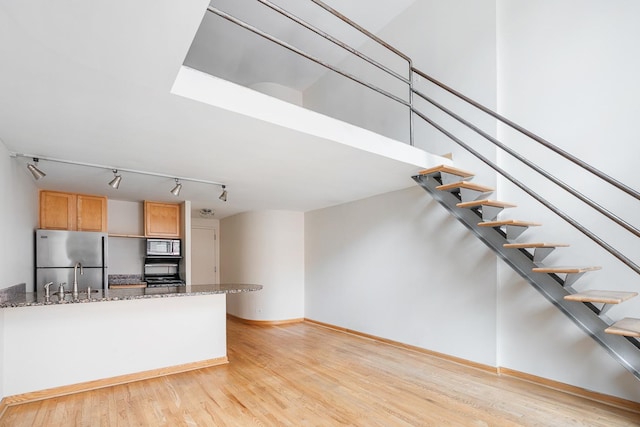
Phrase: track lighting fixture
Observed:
(115, 182)
(117, 178)
(33, 168)
(176, 190)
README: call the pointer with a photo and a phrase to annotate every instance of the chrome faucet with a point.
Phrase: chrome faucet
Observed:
(74, 293)
(47, 292)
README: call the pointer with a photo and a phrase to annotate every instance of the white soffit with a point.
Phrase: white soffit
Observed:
(223, 94)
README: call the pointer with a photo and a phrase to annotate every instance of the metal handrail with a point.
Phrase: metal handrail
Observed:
(294, 49)
(333, 40)
(362, 30)
(549, 145)
(533, 166)
(613, 251)
(386, 46)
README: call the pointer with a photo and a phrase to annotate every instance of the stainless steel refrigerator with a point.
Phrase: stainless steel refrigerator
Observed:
(58, 252)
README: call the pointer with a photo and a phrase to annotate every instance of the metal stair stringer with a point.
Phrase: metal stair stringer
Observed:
(625, 350)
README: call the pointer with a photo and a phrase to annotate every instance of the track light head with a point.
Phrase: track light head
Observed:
(176, 190)
(33, 168)
(115, 182)
(223, 196)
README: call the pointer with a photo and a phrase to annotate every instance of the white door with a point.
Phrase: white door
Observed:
(203, 256)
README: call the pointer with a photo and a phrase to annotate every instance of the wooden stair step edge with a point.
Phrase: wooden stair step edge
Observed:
(605, 297)
(568, 270)
(534, 245)
(514, 222)
(467, 185)
(628, 327)
(447, 169)
(485, 202)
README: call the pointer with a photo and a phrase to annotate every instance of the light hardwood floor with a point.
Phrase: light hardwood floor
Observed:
(306, 375)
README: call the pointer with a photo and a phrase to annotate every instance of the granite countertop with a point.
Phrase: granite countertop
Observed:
(29, 299)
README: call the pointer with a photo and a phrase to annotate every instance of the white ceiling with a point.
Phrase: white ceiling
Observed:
(91, 81)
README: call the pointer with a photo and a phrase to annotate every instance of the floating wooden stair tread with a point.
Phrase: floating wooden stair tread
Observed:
(604, 297)
(567, 270)
(513, 228)
(465, 184)
(534, 245)
(541, 250)
(513, 222)
(485, 202)
(628, 327)
(447, 169)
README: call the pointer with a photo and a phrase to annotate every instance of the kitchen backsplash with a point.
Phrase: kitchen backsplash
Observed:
(12, 291)
(121, 279)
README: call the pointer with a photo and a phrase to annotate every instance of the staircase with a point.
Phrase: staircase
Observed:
(452, 189)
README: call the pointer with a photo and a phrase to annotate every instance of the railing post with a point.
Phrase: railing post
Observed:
(411, 131)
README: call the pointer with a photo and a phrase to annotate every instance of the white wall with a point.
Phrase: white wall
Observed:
(2, 357)
(566, 72)
(279, 91)
(126, 217)
(455, 42)
(400, 267)
(18, 219)
(266, 248)
(185, 232)
(126, 255)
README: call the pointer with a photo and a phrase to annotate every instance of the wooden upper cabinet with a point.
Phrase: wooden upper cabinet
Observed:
(161, 219)
(57, 210)
(68, 211)
(91, 213)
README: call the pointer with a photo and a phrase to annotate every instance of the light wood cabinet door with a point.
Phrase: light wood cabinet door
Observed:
(57, 210)
(91, 213)
(68, 211)
(161, 219)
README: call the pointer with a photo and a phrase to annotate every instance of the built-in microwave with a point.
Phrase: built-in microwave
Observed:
(163, 247)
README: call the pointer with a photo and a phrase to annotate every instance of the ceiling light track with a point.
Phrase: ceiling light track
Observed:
(115, 182)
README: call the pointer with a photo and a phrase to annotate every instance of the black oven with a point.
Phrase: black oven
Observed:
(162, 272)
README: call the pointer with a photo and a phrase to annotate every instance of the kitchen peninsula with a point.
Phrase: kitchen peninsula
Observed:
(57, 347)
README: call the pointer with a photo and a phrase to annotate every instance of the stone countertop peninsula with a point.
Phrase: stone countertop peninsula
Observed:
(29, 299)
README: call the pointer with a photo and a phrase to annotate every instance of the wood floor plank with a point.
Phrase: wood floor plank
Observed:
(307, 375)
